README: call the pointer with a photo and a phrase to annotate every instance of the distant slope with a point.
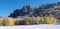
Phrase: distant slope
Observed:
(44, 10)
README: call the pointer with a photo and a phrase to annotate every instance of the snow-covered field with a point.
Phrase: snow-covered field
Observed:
(45, 26)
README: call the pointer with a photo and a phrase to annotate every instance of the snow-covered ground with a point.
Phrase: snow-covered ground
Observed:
(44, 26)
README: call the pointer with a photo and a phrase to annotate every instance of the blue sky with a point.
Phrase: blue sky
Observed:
(8, 6)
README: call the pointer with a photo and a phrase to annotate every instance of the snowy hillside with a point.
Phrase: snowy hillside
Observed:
(45, 26)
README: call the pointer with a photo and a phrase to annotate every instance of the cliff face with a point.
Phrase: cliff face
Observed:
(44, 10)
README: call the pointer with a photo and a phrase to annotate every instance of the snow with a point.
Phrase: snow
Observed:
(44, 26)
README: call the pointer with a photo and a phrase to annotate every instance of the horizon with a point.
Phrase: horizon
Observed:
(8, 6)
